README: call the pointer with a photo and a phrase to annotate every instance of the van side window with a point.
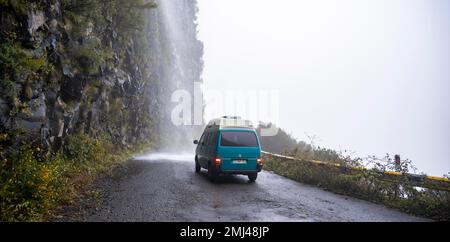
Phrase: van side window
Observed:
(208, 142)
(213, 138)
(202, 139)
(207, 138)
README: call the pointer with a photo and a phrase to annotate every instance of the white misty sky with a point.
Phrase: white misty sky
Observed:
(372, 76)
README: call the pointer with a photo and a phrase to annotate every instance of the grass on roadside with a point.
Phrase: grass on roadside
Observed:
(33, 184)
(367, 185)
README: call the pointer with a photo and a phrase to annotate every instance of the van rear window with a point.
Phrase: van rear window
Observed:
(236, 138)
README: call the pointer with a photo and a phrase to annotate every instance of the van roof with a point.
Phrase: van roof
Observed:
(238, 129)
(231, 122)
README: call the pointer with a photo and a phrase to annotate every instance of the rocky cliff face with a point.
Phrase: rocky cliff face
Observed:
(105, 68)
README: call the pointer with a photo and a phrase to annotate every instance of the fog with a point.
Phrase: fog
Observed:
(369, 76)
(166, 156)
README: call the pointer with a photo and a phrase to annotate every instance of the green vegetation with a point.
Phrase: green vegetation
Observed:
(19, 6)
(19, 66)
(79, 84)
(127, 15)
(366, 185)
(283, 143)
(82, 18)
(33, 183)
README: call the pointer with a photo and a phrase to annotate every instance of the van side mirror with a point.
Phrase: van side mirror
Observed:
(195, 142)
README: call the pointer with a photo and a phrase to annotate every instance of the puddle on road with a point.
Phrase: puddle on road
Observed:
(185, 157)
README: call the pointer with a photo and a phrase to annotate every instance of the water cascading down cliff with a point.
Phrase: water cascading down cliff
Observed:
(178, 64)
(103, 68)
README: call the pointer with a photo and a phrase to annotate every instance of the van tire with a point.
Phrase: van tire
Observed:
(197, 166)
(252, 177)
(212, 174)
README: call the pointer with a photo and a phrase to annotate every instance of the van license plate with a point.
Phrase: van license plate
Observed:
(239, 161)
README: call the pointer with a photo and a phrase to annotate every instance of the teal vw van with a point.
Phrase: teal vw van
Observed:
(229, 145)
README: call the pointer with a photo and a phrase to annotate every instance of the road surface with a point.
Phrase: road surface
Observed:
(164, 187)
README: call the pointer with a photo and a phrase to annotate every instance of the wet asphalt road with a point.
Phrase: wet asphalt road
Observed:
(166, 188)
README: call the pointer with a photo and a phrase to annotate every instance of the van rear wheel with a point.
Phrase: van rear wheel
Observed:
(252, 177)
(197, 166)
(212, 174)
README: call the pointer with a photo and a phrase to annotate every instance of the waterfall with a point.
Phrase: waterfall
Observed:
(176, 56)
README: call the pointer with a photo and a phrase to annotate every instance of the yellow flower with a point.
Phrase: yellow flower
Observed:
(45, 174)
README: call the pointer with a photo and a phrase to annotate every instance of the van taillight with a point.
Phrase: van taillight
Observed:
(260, 161)
(217, 161)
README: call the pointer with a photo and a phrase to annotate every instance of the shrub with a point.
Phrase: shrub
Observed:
(83, 149)
(33, 184)
(27, 187)
(366, 185)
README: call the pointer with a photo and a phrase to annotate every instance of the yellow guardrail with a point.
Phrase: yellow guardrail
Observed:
(431, 182)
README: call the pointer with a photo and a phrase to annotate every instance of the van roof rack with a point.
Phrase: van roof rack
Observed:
(231, 122)
(232, 117)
